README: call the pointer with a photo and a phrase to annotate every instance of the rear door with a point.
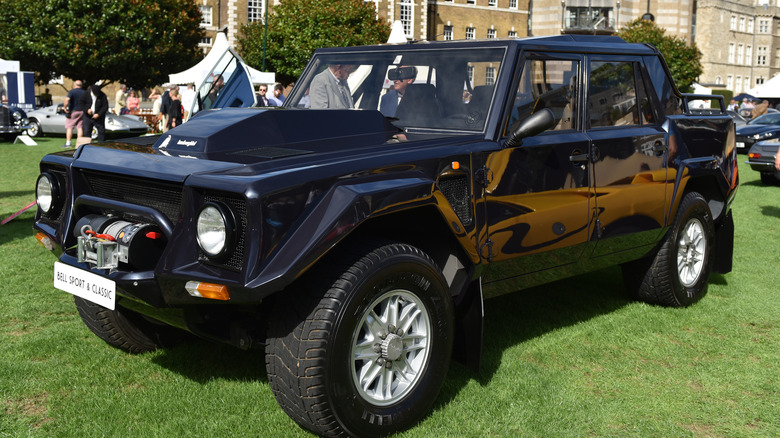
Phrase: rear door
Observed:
(628, 154)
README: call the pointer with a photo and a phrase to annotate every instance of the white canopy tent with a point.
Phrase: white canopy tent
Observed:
(768, 90)
(197, 73)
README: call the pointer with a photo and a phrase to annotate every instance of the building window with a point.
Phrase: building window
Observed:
(254, 11)
(733, 22)
(512, 34)
(729, 82)
(205, 41)
(741, 24)
(740, 54)
(759, 81)
(490, 75)
(763, 26)
(738, 84)
(589, 18)
(747, 83)
(718, 80)
(205, 16)
(447, 33)
(491, 33)
(750, 25)
(731, 53)
(470, 72)
(492, 3)
(761, 53)
(406, 16)
(512, 4)
(749, 55)
(470, 33)
(471, 2)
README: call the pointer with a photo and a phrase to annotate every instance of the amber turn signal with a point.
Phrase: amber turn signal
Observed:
(754, 155)
(208, 290)
(45, 241)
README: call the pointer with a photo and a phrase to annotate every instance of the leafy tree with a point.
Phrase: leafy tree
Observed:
(684, 60)
(132, 41)
(297, 27)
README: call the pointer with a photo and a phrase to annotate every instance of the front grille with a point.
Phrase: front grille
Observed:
(161, 196)
(238, 205)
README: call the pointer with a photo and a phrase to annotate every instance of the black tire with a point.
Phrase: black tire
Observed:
(318, 343)
(35, 129)
(678, 274)
(125, 329)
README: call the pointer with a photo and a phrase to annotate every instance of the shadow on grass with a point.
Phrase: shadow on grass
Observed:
(770, 210)
(28, 193)
(17, 229)
(203, 361)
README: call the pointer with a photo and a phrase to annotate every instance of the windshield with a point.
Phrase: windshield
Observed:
(425, 89)
(766, 119)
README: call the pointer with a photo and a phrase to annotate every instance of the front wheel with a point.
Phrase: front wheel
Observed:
(678, 274)
(366, 352)
(35, 129)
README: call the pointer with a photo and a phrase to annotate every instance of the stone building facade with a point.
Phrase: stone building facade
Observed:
(740, 42)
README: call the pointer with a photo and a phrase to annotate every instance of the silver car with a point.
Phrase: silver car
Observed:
(51, 120)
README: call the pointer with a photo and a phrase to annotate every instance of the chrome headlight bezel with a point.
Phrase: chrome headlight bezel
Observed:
(47, 193)
(215, 230)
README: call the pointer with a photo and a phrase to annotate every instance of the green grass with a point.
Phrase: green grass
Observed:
(570, 359)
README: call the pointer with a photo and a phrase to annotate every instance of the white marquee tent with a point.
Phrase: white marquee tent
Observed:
(768, 90)
(197, 73)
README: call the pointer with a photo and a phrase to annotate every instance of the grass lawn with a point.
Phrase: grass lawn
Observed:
(570, 359)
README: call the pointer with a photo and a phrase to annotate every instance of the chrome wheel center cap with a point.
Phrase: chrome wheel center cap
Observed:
(392, 347)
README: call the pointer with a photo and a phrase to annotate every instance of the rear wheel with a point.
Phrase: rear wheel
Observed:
(125, 329)
(678, 273)
(366, 352)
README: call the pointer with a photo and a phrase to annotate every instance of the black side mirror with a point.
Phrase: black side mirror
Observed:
(536, 123)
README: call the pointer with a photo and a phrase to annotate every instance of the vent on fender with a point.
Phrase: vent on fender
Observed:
(456, 190)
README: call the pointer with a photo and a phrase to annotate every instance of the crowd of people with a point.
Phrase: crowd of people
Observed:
(749, 108)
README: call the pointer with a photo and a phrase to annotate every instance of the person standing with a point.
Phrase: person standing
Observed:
(133, 103)
(278, 98)
(46, 98)
(262, 98)
(175, 112)
(73, 112)
(120, 100)
(95, 105)
(329, 89)
(187, 99)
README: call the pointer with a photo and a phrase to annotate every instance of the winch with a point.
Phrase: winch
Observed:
(106, 241)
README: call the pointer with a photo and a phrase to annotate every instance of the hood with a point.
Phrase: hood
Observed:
(249, 135)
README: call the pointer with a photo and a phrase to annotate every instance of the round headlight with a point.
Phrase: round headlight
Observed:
(215, 229)
(45, 192)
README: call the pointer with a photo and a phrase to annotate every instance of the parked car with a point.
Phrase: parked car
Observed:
(356, 247)
(50, 120)
(13, 121)
(763, 127)
(761, 158)
(738, 120)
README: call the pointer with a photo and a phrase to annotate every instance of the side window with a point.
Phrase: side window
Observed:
(612, 95)
(663, 86)
(547, 83)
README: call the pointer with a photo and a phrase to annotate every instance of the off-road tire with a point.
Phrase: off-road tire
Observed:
(125, 329)
(313, 354)
(678, 273)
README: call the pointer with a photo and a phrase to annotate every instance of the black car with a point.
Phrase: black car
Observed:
(354, 232)
(763, 127)
(13, 121)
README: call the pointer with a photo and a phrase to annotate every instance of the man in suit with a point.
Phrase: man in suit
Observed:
(401, 77)
(329, 89)
(95, 104)
(262, 98)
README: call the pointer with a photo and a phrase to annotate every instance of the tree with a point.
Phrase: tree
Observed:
(138, 42)
(297, 27)
(684, 60)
